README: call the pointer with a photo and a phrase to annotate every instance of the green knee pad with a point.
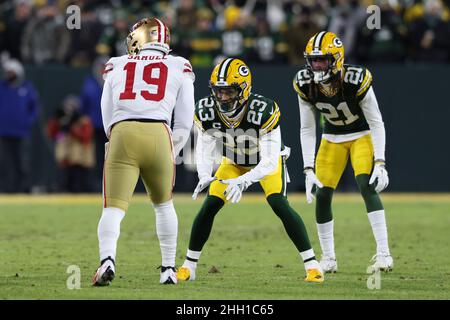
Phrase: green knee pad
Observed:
(324, 196)
(370, 196)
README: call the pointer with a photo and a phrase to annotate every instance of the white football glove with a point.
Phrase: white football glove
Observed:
(201, 185)
(235, 188)
(379, 177)
(311, 180)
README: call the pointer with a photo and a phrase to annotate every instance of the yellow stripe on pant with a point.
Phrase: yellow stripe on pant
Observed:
(332, 159)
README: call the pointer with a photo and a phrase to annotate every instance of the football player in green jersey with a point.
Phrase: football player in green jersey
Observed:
(247, 127)
(353, 126)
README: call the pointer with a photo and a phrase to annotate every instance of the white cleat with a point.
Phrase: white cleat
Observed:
(168, 275)
(328, 264)
(383, 262)
(105, 273)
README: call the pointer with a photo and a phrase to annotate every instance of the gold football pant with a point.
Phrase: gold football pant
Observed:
(332, 159)
(273, 183)
(138, 149)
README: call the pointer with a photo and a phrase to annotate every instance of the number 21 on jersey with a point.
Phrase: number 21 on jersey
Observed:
(334, 117)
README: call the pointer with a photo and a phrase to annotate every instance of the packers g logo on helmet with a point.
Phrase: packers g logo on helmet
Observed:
(243, 71)
(148, 33)
(230, 84)
(324, 56)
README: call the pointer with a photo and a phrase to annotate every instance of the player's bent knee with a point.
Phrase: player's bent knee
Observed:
(163, 205)
(277, 202)
(217, 190)
(363, 184)
(116, 203)
(370, 196)
(324, 195)
(211, 205)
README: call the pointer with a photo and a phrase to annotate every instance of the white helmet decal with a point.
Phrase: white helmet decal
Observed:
(337, 42)
(243, 71)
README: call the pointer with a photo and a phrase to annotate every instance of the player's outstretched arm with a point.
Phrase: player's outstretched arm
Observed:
(204, 154)
(369, 106)
(308, 143)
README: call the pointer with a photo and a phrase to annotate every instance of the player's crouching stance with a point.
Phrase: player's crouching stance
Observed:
(247, 125)
(353, 127)
(140, 93)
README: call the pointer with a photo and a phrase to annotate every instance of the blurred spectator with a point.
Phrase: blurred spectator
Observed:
(386, 44)
(91, 95)
(208, 30)
(268, 47)
(112, 41)
(237, 37)
(14, 25)
(83, 41)
(18, 111)
(303, 27)
(186, 14)
(74, 148)
(345, 20)
(205, 42)
(430, 34)
(275, 14)
(46, 37)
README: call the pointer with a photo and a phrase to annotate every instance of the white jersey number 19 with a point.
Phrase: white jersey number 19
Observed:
(149, 77)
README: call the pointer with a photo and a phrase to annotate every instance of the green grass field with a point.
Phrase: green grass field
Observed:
(40, 237)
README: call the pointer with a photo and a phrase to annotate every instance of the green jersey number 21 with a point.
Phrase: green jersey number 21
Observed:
(343, 118)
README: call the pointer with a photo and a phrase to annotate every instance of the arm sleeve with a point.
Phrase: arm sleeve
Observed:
(369, 106)
(269, 151)
(184, 114)
(107, 106)
(204, 154)
(307, 132)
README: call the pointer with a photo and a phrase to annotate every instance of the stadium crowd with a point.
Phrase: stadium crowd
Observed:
(34, 32)
(272, 31)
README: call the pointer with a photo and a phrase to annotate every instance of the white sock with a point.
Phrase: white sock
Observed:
(379, 229)
(167, 230)
(109, 231)
(326, 238)
(194, 255)
(308, 254)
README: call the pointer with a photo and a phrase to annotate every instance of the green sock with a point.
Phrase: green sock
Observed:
(203, 222)
(324, 196)
(370, 196)
(292, 222)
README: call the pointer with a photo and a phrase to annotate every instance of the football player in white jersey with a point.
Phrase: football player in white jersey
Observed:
(140, 93)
